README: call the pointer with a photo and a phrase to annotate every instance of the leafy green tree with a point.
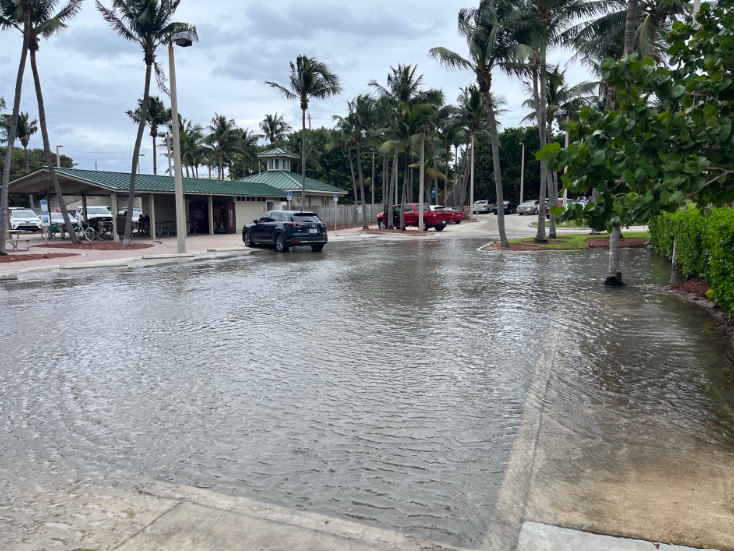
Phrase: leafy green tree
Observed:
(275, 129)
(13, 14)
(158, 115)
(309, 79)
(147, 23)
(18, 168)
(244, 162)
(644, 161)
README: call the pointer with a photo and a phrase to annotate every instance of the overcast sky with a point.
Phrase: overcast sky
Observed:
(91, 76)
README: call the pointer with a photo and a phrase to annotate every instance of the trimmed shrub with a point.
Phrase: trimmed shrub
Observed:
(705, 248)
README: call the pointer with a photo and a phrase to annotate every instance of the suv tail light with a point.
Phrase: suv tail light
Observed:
(296, 224)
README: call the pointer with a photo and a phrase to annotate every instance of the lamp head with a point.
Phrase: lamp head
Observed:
(183, 38)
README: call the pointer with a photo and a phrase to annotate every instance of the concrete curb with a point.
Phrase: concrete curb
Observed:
(97, 264)
(171, 255)
(8, 277)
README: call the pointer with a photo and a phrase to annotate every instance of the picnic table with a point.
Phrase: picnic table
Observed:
(14, 240)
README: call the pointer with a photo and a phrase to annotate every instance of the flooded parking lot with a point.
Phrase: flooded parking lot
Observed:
(383, 382)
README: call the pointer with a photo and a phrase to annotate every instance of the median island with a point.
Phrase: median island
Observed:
(630, 240)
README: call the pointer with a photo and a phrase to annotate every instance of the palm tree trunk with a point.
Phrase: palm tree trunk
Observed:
(540, 236)
(393, 188)
(303, 156)
(405, 189)
(422, 182)
(551, 187)
(471, 178)
(365, 226)
(31, 202)
(435, 167)
(497, 170)
(630, 27)
(136, 157)
(155, 156)
(47, 148)
(354, 179)
(13, 127)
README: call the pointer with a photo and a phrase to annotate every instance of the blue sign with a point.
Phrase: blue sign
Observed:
(433, 193)
(336, 196)
(289, 194)
(45, 218)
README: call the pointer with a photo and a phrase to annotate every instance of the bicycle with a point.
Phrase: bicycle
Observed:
(97, 231)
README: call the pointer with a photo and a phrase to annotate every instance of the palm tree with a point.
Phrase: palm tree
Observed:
(147, 23)
(275, 129)
(4, 122)
(309, 79)
(223, 137)
(46, 24)
(491, 34)
(245, 152)
(158, 115)
(13, 14)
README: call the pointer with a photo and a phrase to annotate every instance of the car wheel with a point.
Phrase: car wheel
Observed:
(439, 228)
(280, 244)
(457, 222)
(317, 248)
(381, 224)
(426, 227)
(247, 239)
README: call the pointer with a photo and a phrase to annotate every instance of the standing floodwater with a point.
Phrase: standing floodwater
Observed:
(381, 382)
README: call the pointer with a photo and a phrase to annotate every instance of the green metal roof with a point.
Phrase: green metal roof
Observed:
(287, 180)
(144, 183)
(278, 152)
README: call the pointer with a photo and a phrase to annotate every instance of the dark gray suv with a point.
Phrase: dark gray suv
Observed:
(284, 229)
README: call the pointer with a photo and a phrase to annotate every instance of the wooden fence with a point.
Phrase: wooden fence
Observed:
(347, 215)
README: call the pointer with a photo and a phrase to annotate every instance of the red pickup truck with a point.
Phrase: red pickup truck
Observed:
(436, 219)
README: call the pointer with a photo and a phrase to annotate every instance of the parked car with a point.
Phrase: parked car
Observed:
(58, 219)
(435, 219)
(480, 206)
(95, 215)
(457, 215)
(137, 213)
(528, 207)
(24, 219)
(510, 207)
(283, 229)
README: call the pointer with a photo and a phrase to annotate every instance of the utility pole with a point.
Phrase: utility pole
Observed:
(373, 175)
(309, 122)
(58, 156)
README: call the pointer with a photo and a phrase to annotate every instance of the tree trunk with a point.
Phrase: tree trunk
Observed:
(136, 157)
(552, 189)
(614, 276)
(405, 189)
(365, 226)
(351, 170)
(540, 236)
(4, 211)
(435, 167)
(155, 156)
(422, 181)
(393, 187)
(497, 170)
(471, 178)
(630, 27)
(303, 155)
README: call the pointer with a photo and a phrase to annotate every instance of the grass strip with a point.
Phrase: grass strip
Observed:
(570, 242)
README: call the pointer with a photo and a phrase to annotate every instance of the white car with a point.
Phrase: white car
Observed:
(25, 219)
(137, 213)
(480, 206)
(528, 207)
(57, 219)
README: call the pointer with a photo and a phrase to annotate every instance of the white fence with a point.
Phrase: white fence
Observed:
(347, 215)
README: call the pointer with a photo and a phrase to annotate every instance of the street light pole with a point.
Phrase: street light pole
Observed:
(178, 177)
(522, 173)
(58, 156)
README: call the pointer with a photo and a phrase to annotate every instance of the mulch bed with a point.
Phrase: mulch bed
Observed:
(694, 287)
(95, 246)
(627, 243)
(6, 259)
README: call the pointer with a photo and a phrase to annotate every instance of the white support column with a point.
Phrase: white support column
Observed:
(211, 215)
(151, 199)
(113, 207)
(84, 206)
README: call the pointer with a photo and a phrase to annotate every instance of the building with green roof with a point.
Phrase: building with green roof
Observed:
(215, 206)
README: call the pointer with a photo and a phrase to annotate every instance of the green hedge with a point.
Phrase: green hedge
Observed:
(705, 248)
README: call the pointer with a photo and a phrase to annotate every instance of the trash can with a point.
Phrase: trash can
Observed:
(121, 221)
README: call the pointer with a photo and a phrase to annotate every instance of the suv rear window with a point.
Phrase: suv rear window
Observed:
(306, 217)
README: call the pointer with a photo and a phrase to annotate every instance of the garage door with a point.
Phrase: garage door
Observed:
(247, 211)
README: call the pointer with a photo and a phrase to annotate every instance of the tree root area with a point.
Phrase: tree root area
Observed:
(6, 259)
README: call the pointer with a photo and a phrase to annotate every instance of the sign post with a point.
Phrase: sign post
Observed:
(45, 218)
(289, 196)
(336, 212)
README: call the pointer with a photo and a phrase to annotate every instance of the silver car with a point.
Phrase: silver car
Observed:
(528, 207)
(480, 206)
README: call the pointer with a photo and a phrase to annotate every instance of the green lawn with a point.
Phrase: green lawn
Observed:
(569, 242)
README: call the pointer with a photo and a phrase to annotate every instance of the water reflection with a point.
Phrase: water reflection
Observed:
(382, 382)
